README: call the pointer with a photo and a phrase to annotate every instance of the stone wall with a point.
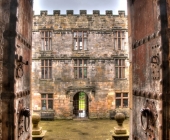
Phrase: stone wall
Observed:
(101, 83)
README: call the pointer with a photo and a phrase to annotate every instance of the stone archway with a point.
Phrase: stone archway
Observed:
(80, 105)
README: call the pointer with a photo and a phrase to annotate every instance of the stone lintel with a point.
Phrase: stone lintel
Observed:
(79, 88)
(80, 29)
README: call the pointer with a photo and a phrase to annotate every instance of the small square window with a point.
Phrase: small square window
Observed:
(46, 101)
(121, 100)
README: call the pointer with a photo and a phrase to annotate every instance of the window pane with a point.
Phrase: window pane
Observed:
(118, 103)
(75, 62)
(42, 73)
(116, 62)
(50, 104)
(80, 72)
(119, 62)
(85, 72)
(43, 95)
(115, 43)
(75, 73)
(116, 70)
(120, 73)
(42, 62)
(123, 72)
(46, 73)
(50, 95)
(42, 43)
(123, 63)
(46, 63)
(75, 44)
(118, 94)
(85, 34)
(125, 94)
(115, 34)
(118, 34)
(125, 102)
(119, 43)
(50, 73)
(50, 63)
(43, 104)
(75, 34)
(85, 44)
(80, 34)
(80, 63)
(85, 62)
(46, 34)
(80, 43)
(123, 43)
(42, 34)
(49, 48)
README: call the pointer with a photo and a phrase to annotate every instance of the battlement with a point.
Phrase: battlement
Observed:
(83, 12)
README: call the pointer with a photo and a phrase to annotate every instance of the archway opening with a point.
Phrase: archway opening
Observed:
(80, 105)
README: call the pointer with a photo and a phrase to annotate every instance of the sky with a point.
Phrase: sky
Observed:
(78, 5)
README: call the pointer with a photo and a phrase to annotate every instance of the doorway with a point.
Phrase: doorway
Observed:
(80, 105)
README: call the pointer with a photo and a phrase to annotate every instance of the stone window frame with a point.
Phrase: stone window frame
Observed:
(46, 67)
(46, 40)
(120, 68)
(76, 40)
(78, 67)
(119, 39)
(122, 97)
(47, 99)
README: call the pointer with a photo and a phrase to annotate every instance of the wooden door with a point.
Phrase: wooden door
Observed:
(15, 69)
(149, 77)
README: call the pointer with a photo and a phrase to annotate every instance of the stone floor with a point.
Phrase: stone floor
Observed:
(79, 130)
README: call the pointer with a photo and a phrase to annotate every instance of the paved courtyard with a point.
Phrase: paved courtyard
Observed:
(79, 130)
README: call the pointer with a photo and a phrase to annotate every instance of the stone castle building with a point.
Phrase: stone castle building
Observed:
(80, 64)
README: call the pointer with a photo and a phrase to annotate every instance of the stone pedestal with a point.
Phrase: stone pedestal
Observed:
(37, 132)
(119, 132)
(120, 137)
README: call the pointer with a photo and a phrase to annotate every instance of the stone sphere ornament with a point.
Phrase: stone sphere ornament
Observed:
(120, 117)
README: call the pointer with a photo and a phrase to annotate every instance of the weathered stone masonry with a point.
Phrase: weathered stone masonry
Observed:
(101, 48)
